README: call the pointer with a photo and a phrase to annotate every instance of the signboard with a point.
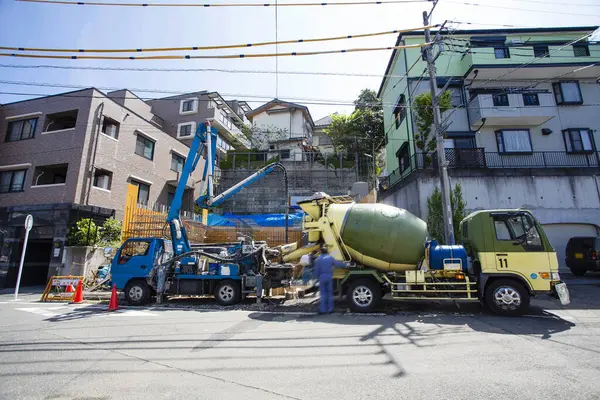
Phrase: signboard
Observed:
(56, 289)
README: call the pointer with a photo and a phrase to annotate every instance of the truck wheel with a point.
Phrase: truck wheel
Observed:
(227, 293)
(578, 271)
(363, 295)
(507, 297)
(137, 293)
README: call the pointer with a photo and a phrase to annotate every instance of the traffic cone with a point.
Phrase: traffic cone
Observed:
(69, 289)
(114, 301)
(78, 294)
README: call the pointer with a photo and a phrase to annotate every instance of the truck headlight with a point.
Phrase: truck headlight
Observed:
(555, 276)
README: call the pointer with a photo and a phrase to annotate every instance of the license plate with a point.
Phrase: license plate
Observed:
(578, 255)
(563, 293)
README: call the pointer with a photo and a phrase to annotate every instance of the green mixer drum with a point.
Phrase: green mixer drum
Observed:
(384, 232)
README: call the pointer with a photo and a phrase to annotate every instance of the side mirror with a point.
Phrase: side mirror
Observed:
(107, 251)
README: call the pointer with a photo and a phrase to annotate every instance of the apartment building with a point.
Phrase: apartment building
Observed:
(522, 130)
(73, 155)
(282, 128)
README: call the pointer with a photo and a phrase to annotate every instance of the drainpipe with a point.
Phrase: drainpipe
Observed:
(100, 110)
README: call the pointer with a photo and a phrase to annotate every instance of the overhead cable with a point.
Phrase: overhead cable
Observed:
(212, 5)
(228, 46)
(225, 56)
(518, 9)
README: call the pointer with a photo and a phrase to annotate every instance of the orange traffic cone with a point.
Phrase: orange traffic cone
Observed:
(69, 289)
(79, 293)
(114, 301)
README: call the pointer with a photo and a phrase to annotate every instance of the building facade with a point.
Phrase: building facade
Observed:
(73, 155)
(282, 128)
(522, 130)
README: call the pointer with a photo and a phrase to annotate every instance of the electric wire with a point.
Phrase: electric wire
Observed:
(226, 56)
(209, 5)
(215, 47)
(521, 9)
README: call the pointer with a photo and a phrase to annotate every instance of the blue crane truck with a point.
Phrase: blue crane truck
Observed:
(153, 266)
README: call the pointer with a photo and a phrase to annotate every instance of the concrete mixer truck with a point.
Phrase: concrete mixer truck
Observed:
(505, 257)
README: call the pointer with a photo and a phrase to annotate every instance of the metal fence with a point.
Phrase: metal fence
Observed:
(478, 158)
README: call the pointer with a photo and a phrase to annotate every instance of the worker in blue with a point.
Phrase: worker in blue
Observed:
(323, 271)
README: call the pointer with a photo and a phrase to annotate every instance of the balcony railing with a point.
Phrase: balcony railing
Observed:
(478, 158)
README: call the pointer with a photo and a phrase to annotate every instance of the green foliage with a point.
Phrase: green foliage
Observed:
(87, 233)
(425, 140)
(257, 160)
(260, 136)
(110, 233)
(362, 131)
(435, 217)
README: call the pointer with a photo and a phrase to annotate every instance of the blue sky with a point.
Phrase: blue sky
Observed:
(43, 25)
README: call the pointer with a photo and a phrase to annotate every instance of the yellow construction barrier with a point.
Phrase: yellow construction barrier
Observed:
(56, 289)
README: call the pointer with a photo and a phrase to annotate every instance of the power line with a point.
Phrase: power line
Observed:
(206, 5)
(557, 4)
(401, 78)
(227, 56)
(223, 70)
(200, 48)
(517, 9)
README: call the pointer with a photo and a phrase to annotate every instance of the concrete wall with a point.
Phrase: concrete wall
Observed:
(82, 260)
(268, 194)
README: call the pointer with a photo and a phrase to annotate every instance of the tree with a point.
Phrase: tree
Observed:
(425, 140)
(260, 136)
(435, 216)
(362, 131)
(87, 233)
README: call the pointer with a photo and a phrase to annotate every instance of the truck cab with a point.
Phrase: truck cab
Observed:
(512, 258)
(132, 265)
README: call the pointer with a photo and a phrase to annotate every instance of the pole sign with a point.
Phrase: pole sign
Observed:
(28, 226)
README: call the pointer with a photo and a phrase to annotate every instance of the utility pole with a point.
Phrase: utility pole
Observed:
(439, 135)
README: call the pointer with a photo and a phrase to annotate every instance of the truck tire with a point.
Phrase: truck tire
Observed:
(578, 271)
(363, 295)
(227, 292)
(507, 297)
(137, 292)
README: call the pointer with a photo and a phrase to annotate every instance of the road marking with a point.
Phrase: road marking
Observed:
(66, 312)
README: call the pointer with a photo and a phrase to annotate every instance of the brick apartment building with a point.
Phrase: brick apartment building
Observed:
(72, 155)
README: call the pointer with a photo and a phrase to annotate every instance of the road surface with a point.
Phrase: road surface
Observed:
(57, 351)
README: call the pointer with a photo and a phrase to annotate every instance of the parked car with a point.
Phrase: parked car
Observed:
(582, 254)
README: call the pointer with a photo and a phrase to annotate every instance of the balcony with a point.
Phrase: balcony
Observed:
(515, 114)
(482, 65)
(227, 128)
(478, 158)
(174, 181)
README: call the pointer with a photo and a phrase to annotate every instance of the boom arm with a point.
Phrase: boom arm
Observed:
(206, 138)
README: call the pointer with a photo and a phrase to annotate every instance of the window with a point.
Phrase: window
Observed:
(581, 50)
(110, 127)
(501, 52)
(578, 140)
(400, 110)
(177, 162)
(133, 248)
(285, 154)
(567, 93)
(12, 181)
(519, 228)
(21, 130)
(60, 121)
(102, 179)
(185, 130)
(170, 197)
(531, 99)
(143, 192)
(541, 51)
(513, 141)
(144, 147)
(460, 142)
(188, 106)
(403, 157)
(456, 96)
(500, 100)
(50, 174)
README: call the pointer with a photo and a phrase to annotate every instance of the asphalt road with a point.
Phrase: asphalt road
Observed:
(54, 351)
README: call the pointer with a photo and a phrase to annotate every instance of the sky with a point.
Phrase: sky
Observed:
(65, 26)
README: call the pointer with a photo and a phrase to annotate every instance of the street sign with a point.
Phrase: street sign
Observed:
(56, 289)
(28, 226)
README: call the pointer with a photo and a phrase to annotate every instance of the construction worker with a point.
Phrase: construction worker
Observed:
(323, 271)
